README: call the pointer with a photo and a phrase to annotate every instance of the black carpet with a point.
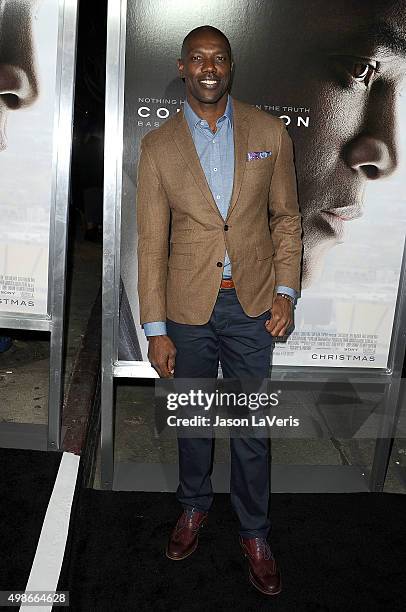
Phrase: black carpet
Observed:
(337, 552)
(26, 481)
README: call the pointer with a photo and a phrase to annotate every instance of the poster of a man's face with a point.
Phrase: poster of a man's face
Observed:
(335, 73)
(18, 74)
(346, 61)
(28, 59)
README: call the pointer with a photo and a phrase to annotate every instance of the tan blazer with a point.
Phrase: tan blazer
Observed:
(182, 237)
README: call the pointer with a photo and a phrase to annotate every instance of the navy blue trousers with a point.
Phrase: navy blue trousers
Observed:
(243, 347)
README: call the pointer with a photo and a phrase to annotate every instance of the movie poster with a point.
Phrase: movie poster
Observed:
(28, 56)
(335, 73)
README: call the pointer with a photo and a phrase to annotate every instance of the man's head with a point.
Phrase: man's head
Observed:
(206, 65)
(346, 61)
(18, 78)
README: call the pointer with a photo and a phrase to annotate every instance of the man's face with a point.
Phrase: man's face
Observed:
(347, 64)
(18, 78)
(206, 68)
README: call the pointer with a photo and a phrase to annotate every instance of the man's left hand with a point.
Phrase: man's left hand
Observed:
(281, 317)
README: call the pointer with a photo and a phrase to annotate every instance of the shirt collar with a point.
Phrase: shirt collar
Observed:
(194, 119)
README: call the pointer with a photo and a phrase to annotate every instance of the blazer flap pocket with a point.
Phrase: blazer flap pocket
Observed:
(265, 250)
(184, 235)
(181, 248)
(180, 261)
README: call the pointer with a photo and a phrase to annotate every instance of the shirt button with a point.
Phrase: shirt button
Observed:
(218, 197)
(219, 264)
(226, 228)
(215, 169)
(214, 142)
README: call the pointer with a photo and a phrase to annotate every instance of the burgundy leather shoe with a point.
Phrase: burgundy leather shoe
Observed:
(184, 538)
(263, 571)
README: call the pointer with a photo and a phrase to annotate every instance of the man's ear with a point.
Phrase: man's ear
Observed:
(180, 67)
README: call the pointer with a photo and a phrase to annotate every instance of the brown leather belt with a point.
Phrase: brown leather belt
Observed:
(227, 283)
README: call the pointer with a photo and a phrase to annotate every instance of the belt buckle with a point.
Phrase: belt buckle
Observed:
(227, 283)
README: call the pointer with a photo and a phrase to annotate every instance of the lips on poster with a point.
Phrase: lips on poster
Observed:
(28, 55)
(335, 73)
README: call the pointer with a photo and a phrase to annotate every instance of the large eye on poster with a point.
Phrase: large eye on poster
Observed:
(28, 58)
(335, 73)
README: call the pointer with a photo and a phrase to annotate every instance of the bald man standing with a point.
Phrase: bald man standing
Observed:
(217, 183)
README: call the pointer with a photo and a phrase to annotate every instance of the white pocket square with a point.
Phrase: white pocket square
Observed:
(251, 155)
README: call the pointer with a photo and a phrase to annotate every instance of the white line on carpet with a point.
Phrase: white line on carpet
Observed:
(48, 558)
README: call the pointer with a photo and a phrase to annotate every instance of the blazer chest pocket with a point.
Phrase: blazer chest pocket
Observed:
(265, 250)
(259, 165)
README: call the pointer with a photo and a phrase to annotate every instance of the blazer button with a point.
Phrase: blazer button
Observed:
(226, 228)
(219, 264)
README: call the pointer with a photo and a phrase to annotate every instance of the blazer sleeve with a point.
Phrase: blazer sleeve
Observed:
(153, 220)
(285, 218)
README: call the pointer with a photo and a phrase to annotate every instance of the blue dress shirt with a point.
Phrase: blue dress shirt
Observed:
(216, 155)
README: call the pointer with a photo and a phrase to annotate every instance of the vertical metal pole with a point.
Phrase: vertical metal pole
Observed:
(113, 153)
(384, 441)
(107, 428)
(63, 142)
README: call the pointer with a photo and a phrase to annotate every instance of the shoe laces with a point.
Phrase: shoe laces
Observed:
(264, 549)
(184, 518)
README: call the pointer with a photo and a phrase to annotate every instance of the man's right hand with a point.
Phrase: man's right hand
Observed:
(161, 354)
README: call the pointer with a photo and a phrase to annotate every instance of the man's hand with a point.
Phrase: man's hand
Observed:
(161, 354)
(281, 317)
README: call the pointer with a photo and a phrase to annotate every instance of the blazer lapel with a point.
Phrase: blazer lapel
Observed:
(241, 128)
(187, 149)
